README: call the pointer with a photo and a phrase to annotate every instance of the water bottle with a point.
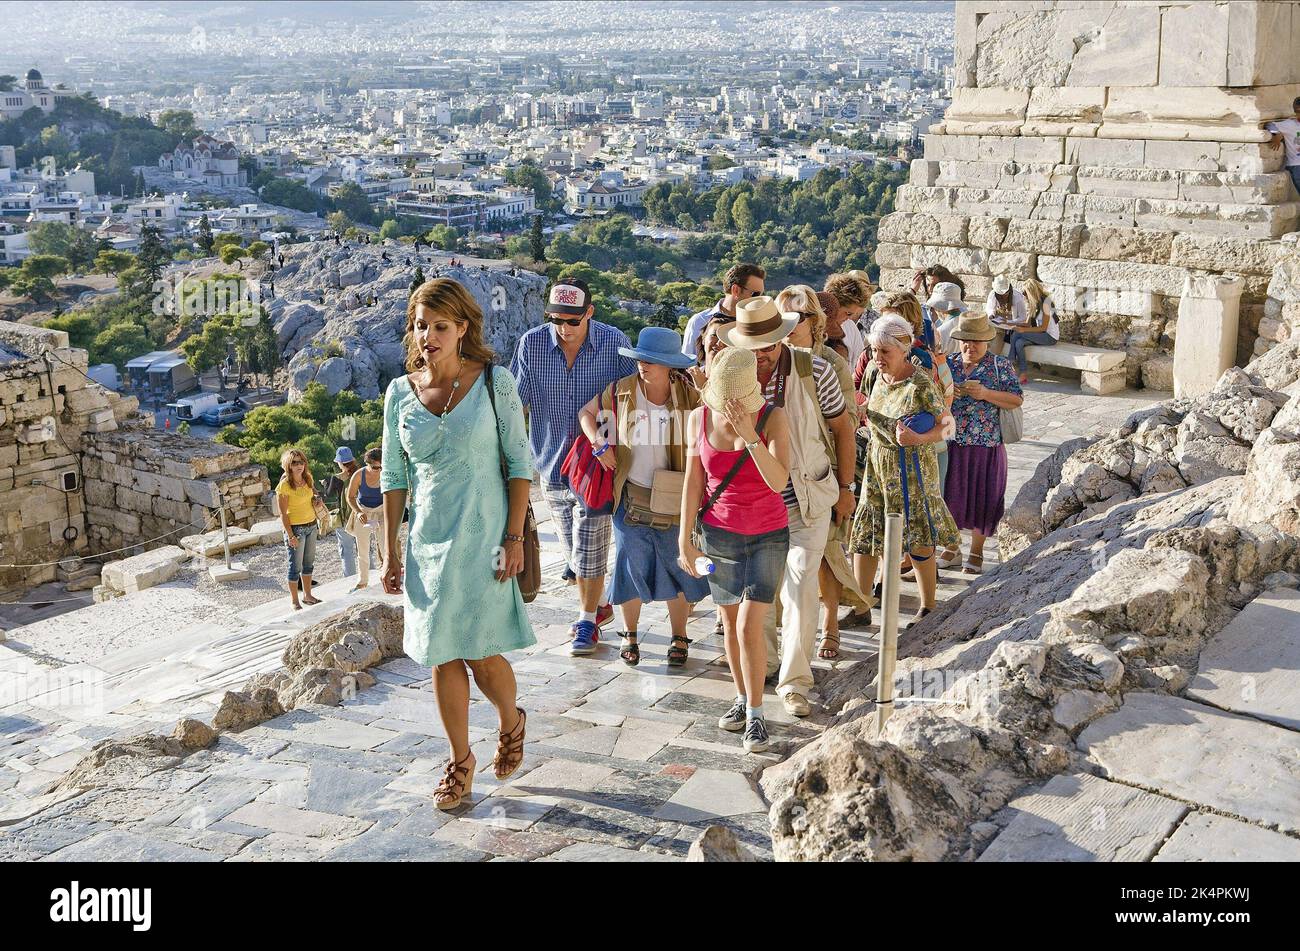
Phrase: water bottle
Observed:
(703, 565)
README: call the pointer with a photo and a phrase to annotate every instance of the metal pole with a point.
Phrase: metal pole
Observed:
(889, 618)
(225, 535)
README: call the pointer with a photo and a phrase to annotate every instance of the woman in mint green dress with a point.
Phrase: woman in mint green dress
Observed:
(443, 441)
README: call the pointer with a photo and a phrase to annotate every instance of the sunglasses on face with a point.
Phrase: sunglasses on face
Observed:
(769, 349)
(571, 321)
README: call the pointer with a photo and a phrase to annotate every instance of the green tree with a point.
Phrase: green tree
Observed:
(389, 229)
(352, 201)
(180, 123)
(205, 234)
(537, 240)
(742, 214)
(152, 256)
(257, 249)
(113, 262)
(417, 280)
(444, 236)
(63, 240)
(119, 343)
(230, 253)
(338, 222)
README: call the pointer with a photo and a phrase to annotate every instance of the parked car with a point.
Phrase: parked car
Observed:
(224, 415)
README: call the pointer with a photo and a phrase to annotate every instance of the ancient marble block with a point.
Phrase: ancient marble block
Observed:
(1206, 345)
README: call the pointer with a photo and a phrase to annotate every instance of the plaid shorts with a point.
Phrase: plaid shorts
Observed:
(584, 538)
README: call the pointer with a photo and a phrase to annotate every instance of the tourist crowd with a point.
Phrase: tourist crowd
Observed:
(753, 460)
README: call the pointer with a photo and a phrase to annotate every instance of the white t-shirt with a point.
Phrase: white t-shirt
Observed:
(1018, 309)
(1053, 327)
(947, 345)
(650, 435)
(854, 340)
(1290, 129)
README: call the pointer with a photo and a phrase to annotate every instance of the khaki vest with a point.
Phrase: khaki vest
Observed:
(681, 400)
(812, 464)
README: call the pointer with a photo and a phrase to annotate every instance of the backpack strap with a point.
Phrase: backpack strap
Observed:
(803, 366)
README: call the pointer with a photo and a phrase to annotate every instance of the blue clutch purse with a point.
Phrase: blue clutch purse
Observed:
(919, 422)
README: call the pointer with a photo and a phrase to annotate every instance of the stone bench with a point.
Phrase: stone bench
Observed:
(1102, 370)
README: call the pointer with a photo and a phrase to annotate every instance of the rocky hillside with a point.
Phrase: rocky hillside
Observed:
(1154, 539)
(330, 333)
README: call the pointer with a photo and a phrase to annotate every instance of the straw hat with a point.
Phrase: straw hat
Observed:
(759, 323)
(733, 376)
(973, 327)
(863, 278)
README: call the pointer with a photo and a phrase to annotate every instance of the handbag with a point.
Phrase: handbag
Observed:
(591, 483)
(324, 517)
(666, 493)
(1011, 421)
(529, 578)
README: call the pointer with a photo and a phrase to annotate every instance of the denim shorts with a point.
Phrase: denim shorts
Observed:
(745, 567)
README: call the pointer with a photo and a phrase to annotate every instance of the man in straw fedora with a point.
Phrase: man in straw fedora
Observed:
(821, 478)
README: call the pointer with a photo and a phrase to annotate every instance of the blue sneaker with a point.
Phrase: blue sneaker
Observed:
(585, 635)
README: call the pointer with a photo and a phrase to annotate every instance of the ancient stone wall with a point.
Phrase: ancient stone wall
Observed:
(81, 474)
(1110, 149)
(145, 484)
(47, 408)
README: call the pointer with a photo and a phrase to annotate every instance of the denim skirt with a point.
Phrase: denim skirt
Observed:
(645, 564)
(745, 567)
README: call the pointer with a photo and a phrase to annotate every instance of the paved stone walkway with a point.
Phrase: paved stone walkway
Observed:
(621, 763)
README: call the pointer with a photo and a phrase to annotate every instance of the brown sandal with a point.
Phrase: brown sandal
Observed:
(510, 749)
(829, 649)
(451, 792)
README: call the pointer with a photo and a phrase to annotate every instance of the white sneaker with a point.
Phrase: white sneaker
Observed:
(796, 704)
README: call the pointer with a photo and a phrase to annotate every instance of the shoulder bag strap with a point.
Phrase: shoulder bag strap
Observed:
(735, 469)
(496, 418)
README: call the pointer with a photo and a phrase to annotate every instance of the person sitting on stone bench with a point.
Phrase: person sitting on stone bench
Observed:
(1286, 133)
(1043, 329)
(1005, 306)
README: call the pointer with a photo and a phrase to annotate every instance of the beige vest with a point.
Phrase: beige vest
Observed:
(812, 472)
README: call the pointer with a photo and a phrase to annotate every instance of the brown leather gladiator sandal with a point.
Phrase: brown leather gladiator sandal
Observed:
(510, 749)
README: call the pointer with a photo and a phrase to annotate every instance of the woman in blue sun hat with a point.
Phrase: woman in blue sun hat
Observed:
(637, 428)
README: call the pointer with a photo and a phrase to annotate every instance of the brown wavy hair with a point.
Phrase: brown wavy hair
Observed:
(447, 299)
(847, 290)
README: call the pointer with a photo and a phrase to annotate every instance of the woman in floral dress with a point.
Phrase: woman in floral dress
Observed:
(896, 390)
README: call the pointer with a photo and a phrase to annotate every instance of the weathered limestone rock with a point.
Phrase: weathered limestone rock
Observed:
(353, 639)
(718, 844)
(121, 763)
(860, 799)
(130, 575)
(328, 316)
(323, 685)
(194, 735)
(239, 710)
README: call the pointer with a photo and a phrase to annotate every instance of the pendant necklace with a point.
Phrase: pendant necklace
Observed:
(455, 385)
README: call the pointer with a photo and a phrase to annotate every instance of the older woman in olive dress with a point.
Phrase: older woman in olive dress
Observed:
(901, 473)
(447, 425)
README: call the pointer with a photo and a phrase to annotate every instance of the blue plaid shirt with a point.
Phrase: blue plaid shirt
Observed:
(555, 393)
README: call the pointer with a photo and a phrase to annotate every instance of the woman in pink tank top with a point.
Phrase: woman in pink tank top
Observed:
(739, 463)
